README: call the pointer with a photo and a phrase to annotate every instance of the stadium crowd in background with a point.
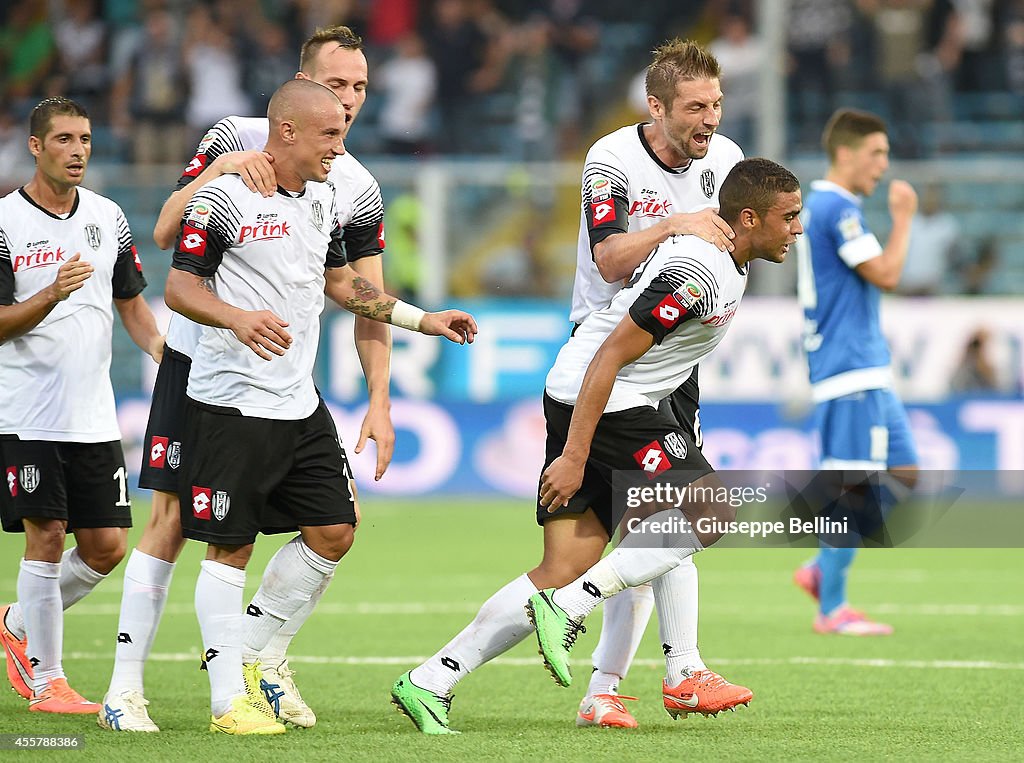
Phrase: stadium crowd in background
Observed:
(519, 69)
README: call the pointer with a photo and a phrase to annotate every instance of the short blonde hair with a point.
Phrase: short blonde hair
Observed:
(675, 61)
(342, 35)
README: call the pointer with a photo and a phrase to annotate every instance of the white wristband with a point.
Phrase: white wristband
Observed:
(407, 316)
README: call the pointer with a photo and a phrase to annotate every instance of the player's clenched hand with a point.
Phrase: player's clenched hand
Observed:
(902, 200)
(71, 276)
(262, 332)
(455, 325)
(377, 427)
(254, 167)
(559, 482)
(707, 224)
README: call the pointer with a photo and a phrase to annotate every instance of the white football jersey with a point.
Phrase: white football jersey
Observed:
(260, 254)
(627, 188)
(685, 295)
(358, 200)
(55, 379)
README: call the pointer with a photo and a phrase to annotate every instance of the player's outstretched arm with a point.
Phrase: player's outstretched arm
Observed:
(360, 297)
(140, 324)
(21, 317)
(254, 167)
(260, 330)
(563, 477)
(884, 271)
(373, 345)
(621, 253)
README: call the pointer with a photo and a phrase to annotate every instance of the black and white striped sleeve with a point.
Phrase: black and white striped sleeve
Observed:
(684, 289)
(605, 195)
(127, 280)
(6, 271)
(219, 139)
(363, 234)
(210, 227)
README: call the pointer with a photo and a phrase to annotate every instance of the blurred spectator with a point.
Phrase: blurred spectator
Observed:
(81, 40)
(15, 161)
(976, 274)
(390, 21)
(819, 44)
(978, 70)
(978, 370)
(741, 57)
(271, 61)
(934, 240)
(214, 72)
(467, 63)
(27, 55)
(409, 83)
(1014, 42)
(149, 97)
(576, 37)
(536, 79)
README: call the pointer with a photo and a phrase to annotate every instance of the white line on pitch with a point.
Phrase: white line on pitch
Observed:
(707, 607)
(535, 661)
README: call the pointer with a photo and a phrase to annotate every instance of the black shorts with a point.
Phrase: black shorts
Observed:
(85, 484)
(683, 405)
(239, 467)
(627, 440)
(165, 429)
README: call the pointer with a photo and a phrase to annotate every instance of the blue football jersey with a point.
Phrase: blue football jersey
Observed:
(846, 351)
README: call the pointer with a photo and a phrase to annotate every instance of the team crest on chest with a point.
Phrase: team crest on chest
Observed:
(92, 235)
(707, 183)
(318, 215)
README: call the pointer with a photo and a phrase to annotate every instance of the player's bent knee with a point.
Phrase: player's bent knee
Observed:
(44, 539)
(103, 549)
(329, 541)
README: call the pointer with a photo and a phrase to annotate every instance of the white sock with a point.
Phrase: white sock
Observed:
(39, 594)
(580, 597)
(275, 652)
(500, 624)
(625, 619)
(146, 579)
(676, 595)
(291, 578)
(218, 603)
(635, 564)
(76, 580)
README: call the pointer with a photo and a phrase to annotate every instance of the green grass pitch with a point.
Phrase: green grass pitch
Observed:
(945, 687)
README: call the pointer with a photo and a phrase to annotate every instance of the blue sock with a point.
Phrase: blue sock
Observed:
(833, 563)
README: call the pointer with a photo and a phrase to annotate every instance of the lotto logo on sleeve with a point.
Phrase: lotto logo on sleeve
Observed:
(602, 211)
(668, 312)
(158, 452)
(194, 167)
(380, 235)
(193, 240)
(135, 258)
(202, 497)
(12, 480)
(652, 459)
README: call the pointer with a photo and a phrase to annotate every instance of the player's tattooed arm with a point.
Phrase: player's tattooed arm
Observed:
(358, 295)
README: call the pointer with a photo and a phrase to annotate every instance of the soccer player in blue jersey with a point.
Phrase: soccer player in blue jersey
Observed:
(842, 271)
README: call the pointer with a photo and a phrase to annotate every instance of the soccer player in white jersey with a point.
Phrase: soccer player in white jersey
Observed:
(641, 185)
(66, 253)
(334, 58)
(601, 406)
(261, 448)
(843, 270)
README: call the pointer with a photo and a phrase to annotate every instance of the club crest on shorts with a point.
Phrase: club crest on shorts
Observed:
(174, 454)
(92, 235)
(28, 476)
(221, 504)
(318, 214)
(707, 183)
(675, 444)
